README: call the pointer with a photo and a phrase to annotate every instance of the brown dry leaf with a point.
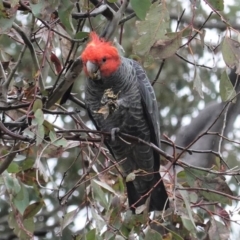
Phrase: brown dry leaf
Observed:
(165, 48)
(104, 110)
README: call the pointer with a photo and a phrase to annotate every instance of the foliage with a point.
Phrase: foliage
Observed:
(57, 177)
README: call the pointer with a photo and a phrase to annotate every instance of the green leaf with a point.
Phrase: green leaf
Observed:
(215, 183)
(193, 174)
(52, 136)
(23, 229)
(140, 7)
(99, 194)
(105, 186)
(21, 200)
(152, 29)
(121, 184)
(114, 219)
(37, 105)
(48, 126)
(148, 61)
(100, 223)
(39, 116)
(27, 164)
(13, 168)
(181, 175)
(40, 134)
(64, 13)
(217, 4)
(37, 7)
(69, 218)
(91, 235)
(33, 209)
(134, 221)
(165, 48)
(231, 53)
(227, 91)
(81, 35)
(200, 179)
(29, 225)
(61, 143)
(28, 177)
(197, 83)
(12, 184)
(152, 235)
(189, 225)
(218, 231)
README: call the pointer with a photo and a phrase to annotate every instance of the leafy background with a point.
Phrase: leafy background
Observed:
(186, 48)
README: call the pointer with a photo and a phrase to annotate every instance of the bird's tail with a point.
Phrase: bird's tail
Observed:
(158, 198)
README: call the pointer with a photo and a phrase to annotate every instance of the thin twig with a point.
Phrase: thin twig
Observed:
(9, 158)
(10, 76)
(208, 190)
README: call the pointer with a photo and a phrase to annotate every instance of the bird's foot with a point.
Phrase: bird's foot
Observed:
(114, 131)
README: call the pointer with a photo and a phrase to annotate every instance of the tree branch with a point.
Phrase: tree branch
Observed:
(66, 82)
(9, 158)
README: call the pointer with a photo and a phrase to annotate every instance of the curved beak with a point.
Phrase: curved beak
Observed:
(93, 70)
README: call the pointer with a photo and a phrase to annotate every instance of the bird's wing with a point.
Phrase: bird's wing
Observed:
(159, 196)
(149, 103)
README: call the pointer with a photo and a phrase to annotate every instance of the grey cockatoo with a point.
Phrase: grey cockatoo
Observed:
(119, 96)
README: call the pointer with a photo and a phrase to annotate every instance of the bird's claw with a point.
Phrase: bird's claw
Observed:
(113, 133)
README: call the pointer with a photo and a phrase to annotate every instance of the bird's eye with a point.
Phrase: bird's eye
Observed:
(104, 59)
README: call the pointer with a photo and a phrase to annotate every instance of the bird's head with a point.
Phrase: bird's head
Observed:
(100, 58)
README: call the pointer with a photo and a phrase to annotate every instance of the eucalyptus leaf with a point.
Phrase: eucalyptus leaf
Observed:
(140, 7)
(227, 90)
(37, 105)
(33, 209)
(99, 194)
(153, 235)
(218, 231)
(64, 11)
(197, 83)
(39, 116)
(190, 224)
(152, 29)
(231, 53)
(40, 134)
(217, 4)
(21, 200)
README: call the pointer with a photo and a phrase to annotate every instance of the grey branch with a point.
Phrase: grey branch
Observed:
(112, 24)
(66, 82)
(98, 10)
(9, 158)
(113, 17)
(198, 23)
